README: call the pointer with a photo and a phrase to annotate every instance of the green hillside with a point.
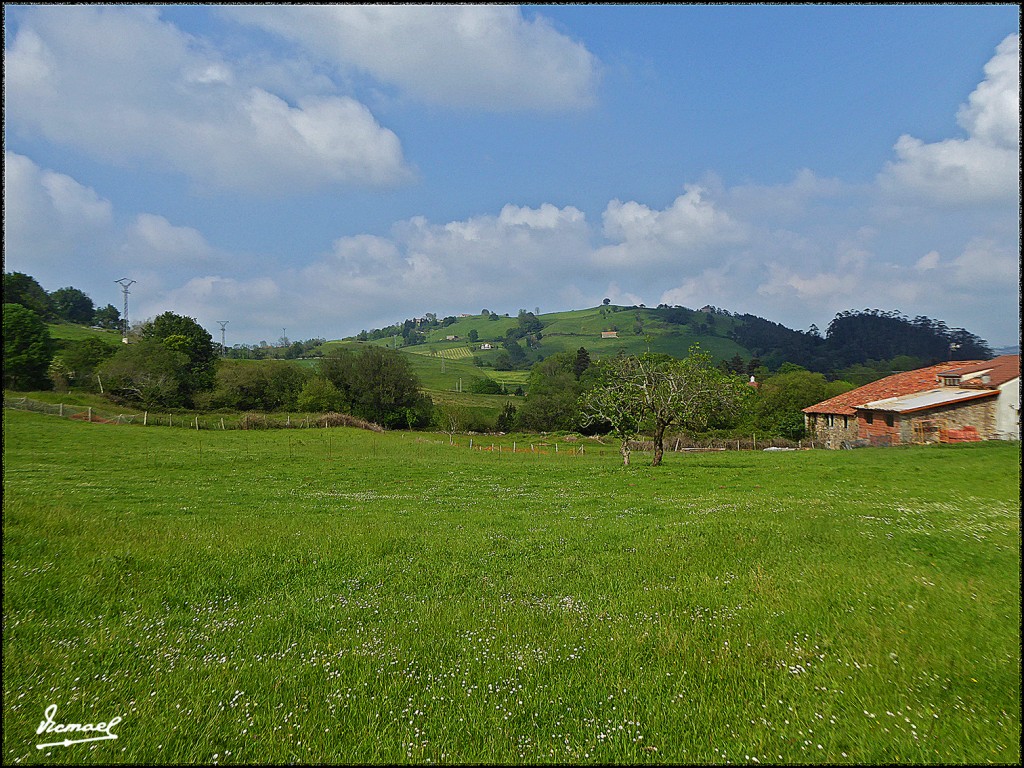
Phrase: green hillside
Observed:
(583, 328)
(443, 361)
(73, 332)
(489, 330)
(437, 371)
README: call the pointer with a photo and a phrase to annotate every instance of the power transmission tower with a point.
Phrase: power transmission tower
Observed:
(223, 346)
(124, 282)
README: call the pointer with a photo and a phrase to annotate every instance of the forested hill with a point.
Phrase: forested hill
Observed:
(854, 338)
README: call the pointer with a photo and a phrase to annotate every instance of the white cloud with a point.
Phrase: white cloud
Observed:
(63, 233)
(619, 296)
(984, 264)
(212, 298)
(483, 56)
(992, 112)
(48, 217)
(183, 107)
(982, 168)
(929, 261)
(784, 203)
(509, 259)
(152, 240)
(691, 231)
(711, 286)
(817, 287)
(547, 216)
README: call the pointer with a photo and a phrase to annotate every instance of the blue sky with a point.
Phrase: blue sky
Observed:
(328, 169)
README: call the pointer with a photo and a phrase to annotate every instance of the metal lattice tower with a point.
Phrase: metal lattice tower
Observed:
(223, 346)
(124, 282)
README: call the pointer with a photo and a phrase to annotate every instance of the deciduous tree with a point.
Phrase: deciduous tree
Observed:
(615, 400)
(378, 385)
(451, 417)
(28, 348)
(654, 392)
(319, 395)
(185, 335)
(23, 289)
(79, 360)
(72, 305)
(554, 390)
(148, 373)
(107, 317)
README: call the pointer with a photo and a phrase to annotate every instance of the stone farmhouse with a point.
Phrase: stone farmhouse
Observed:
(950, 402)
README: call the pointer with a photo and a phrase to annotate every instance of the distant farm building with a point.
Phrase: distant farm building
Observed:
(485, 345)
(949, 402)
(609, 334)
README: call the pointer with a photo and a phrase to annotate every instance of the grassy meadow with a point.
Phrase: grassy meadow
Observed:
(342, 596)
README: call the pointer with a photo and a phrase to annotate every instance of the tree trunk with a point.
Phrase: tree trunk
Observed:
(659, 444)
(624, 450)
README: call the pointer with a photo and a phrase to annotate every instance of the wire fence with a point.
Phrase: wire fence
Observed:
(190, 420)
(568, 444)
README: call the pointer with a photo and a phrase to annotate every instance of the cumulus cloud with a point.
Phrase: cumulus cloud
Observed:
(691, 231)
(985, 263)
(818, 287)
(48, 216)
(213, 297)
(152, 240)
(512, 257)
(183, 106)
(62, 232)
(483, 56)
(929, 261)
(982, 168)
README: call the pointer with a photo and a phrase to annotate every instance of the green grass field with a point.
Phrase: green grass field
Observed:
(73, 332)
(344, 596)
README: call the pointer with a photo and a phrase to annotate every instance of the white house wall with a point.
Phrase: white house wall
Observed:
(1008, 411)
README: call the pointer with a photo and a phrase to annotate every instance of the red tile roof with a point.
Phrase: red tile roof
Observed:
(905, 383)
(1000, 370)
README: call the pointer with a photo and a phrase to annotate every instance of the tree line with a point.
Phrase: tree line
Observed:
(69, 305)
(856, 338)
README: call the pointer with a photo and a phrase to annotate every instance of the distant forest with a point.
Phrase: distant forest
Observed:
(854, 338)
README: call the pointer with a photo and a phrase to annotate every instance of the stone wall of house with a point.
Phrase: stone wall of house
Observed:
(831, 430)
(925, 426)
(980, 414)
